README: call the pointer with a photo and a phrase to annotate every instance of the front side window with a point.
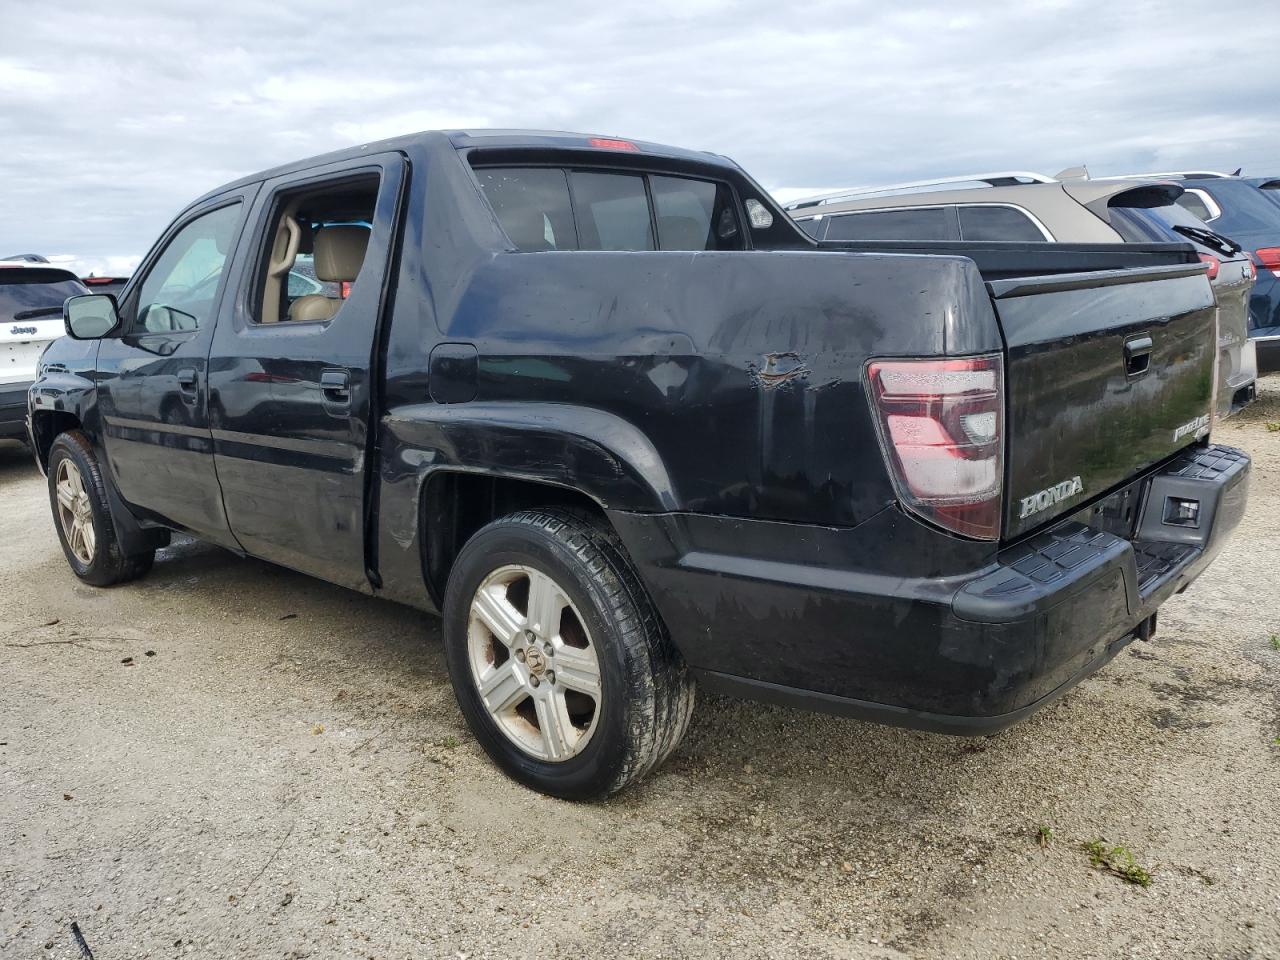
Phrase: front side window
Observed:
(544, 208)
(179, 290)
(919, 223)
(997, 223)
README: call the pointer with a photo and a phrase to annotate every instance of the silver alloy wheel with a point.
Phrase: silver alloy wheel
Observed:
(533, 662)
(75, 512)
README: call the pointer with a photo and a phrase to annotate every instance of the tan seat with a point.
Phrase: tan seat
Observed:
(339, 254)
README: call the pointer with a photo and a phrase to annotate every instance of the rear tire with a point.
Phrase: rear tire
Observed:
(623, 698)
(82, 516)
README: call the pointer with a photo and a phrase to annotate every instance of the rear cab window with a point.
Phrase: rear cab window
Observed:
(570, 208)
(611, 211)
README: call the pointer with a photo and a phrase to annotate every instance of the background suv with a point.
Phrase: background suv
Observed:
(1246, 209)
(1032, 208)
(31, 298)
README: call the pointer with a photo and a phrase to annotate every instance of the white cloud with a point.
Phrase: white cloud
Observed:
(104, 144)
(121, 266)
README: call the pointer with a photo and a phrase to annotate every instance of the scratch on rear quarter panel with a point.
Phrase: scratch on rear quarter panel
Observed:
(778, 369)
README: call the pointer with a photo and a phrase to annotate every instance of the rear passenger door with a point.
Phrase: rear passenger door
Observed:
(293, 368)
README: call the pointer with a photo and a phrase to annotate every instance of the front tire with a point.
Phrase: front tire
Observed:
(82, 516)
(559, 661)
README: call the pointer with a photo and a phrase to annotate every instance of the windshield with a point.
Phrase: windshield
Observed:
(29, 294)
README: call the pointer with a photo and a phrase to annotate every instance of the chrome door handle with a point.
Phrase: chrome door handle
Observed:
(336, 385)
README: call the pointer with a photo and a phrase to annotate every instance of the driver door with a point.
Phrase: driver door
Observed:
(152, 379)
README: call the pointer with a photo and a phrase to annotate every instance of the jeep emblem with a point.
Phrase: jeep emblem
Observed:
(18, 331)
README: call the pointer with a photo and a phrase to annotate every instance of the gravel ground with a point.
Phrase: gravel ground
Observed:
(230, 759)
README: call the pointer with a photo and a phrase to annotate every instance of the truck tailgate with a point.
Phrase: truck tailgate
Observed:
(1106, 374)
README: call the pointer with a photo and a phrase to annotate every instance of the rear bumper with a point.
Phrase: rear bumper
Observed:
(13, 410)
(956, 652)
(1267, 343)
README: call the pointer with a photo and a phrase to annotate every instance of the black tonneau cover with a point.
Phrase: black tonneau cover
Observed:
(1001, 259)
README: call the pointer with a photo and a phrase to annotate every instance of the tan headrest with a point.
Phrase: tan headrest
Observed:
(339, 252)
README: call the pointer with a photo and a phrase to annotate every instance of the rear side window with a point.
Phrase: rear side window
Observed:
(30, 294)
(997, 223)
(1195, 204)
(921, 223)
(553, 209)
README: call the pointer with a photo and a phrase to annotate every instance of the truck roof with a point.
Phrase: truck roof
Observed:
(485, 139)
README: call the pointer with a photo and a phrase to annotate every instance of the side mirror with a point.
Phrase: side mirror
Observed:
(91, 316)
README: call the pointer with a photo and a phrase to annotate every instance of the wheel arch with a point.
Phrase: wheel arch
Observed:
(447, 469)
(456, 503)
(46, 425)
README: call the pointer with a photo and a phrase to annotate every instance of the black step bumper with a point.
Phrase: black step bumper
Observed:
(805, 616)
(13, 411)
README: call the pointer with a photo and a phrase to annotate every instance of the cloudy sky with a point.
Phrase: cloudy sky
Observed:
(115, 115)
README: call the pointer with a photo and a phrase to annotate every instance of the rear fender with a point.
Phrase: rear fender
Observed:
(589, 450)
(592, 452)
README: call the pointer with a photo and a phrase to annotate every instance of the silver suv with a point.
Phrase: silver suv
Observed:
(1033, 208)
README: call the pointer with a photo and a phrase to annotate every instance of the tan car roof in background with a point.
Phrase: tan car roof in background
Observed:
(1063, 207)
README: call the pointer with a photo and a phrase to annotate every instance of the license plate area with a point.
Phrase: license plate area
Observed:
(1118, 513)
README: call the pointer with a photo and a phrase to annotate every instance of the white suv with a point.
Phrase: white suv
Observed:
(31, 297)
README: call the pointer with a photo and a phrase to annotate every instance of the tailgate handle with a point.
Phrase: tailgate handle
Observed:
(1137, 356)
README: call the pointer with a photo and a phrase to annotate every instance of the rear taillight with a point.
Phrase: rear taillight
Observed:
(941, 425)
(1268, 257)
(1213, 263)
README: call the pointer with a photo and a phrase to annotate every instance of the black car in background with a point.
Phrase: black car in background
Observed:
(1246, 209)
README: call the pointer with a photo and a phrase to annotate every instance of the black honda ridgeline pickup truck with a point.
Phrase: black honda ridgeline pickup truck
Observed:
(606, 408)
